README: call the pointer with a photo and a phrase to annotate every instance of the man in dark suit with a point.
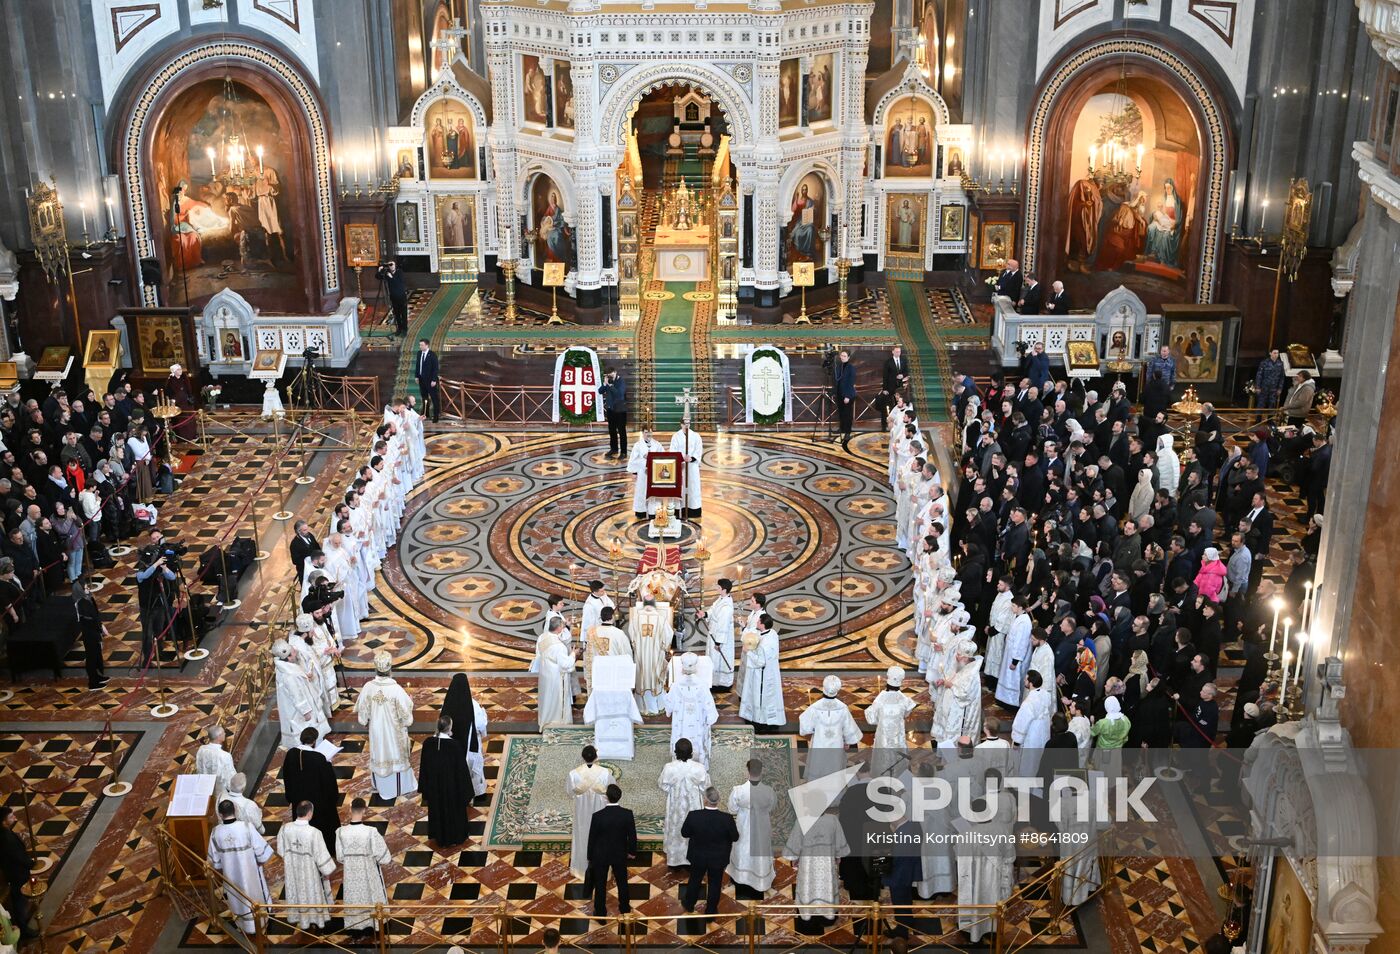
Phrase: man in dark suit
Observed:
(1015, 541)
(1032, 297)
(303, 545)
(393, 281)
(612, 842)
(425, 369)
(1010, 280)
(896, 379)
(905, 867)
(844, 387)
(1319, 471)
(712, 835)
(1058, 302)
(614, 393)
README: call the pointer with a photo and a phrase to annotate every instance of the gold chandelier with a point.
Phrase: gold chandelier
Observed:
(1117, 161)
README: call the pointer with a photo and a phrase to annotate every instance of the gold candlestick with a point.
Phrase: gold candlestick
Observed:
(843, 269)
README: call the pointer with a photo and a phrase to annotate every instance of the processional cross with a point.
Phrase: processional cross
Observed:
(687, 401)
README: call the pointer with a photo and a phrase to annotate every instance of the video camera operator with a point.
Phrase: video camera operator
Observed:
(388, 273)
(158, 587)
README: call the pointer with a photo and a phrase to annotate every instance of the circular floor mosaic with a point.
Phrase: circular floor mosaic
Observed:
(490, 540)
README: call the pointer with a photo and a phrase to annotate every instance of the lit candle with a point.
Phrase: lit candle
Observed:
(1273, 632)
(82, 207)
(260, 158)
(1263, 215)
(1001, 156)
(1093, 152)
(1302, 651)
(1283, 688)
(209, 151)
(1287, 628)
(111, 212)
(1306, 616)
(1140, 150)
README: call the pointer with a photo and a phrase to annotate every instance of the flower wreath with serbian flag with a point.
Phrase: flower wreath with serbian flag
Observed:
(576, 381)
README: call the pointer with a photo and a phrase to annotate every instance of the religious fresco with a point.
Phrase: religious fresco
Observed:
(456, 224)
(802, 239)
(451, 140)
(535, 88)
(820, 88)
(1196, 346)
(405, 164)
(1290, 913)
(909, 139)
(790, 93)
(953, 165)
(229, 195)
(563, 94)
(1129, 223)
(904, 222)
(406, 216)
(554, 239)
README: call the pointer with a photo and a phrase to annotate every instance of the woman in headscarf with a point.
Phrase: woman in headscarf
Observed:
(1140, 500)
(1135, 685)
(469, 724)
(1110, 733)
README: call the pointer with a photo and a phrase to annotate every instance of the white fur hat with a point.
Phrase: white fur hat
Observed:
(689, 663)
(831, 685)
(281, 649)
(305, 622)
(894, 676)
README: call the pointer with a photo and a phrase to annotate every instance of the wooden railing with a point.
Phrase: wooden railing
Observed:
(811, 407)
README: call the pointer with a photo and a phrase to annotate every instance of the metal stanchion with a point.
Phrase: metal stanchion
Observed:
(116, 788)
(284, 513)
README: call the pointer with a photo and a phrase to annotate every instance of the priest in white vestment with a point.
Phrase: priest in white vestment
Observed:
(642, 506)
(818, 853)
(752, 803)
(306, 869)
(554, 700)
(1031, 728)
(347, 621)
(299, 701)
(1042, 658)
(890, 747)
(245, 808)
(987, 872)
(957, 711)
(613, 713)
(1015, 660)
(684, 781)
(719, 627)
(692, 710)
(999, 622)
(762, 695)
(238, 852)
(587, 785)
(651, 635)
(211, 759)
(362, 853)
(319, 654)
(387, 710)
(687, 443)
(830, 729)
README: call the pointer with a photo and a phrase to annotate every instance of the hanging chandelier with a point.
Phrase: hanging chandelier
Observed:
(1115, 158)
(232, 163)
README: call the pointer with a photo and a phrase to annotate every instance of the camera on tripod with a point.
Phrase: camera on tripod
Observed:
(829, 354)
(321, 594)
(170, 550)
(312, 353)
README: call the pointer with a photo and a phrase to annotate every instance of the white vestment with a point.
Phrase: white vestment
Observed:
(650, 633)
(762, 700)
(554, 702)
(612, 639)
(587, 785)
(719, 646)
(388, 711)
(612, 713)
(299, 703)
(306, 868)
(1031, 729)
(476, 761)
(246, 810)
(886, 715)
(689, 444)
(751, 859)
(1043, 662)
(211, 759)
(818, 854)
(361, 851)
(830, 728)
(1000, 618)
(692, 711)
(238, 852)
(1080, 847)
(987, 874)
(1015, 661)
(637, 464)
(684, 784)
(957, 707)
(347, 620)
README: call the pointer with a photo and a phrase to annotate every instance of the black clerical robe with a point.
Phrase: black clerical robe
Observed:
(307, 776)
(446, 784)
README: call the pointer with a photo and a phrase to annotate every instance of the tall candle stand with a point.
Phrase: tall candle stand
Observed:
(843, 270)
(508, 270)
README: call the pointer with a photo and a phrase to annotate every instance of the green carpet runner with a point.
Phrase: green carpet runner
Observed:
(675, 368)
(911, 318)
(431, 323)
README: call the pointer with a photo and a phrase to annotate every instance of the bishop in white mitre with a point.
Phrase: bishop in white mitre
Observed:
(238, 852)
(751, 858)
(362, 853)
(387, 710)
(687, 443)
(642, 506)
(587, 785)
(692, 710)
(957, 709)
(651, 634)
(762, 693)
(890, 747)
(719, 643)
(245, 808)
(684, 781)
(554, 700)
(211, 759)
(306, 868)
(830, 729)
(299, 700)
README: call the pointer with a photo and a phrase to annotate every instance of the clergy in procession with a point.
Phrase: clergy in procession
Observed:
(587, 785)
(887, 715)
(307, 776)
(719, 640)
(1031, 728)
(957, 698)
(362, 854)
(1015, 659)
(684, 781)
(318, 655)
(1043, 659)
(987, 873)
(643, 507)
(592, 621)
(387, 710)
(687, 443)
(469, 725)
(999, 623)
(246, 809)
(338, 568)
(830, 729)
(237, 851)
(762, 693)
(299, 700)
(651, 635)
(692, 710)
(306, 869)
(751, 861)
(565, 635)
(817, 852)
(211, 759)
(446, 784)
(554, 701)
